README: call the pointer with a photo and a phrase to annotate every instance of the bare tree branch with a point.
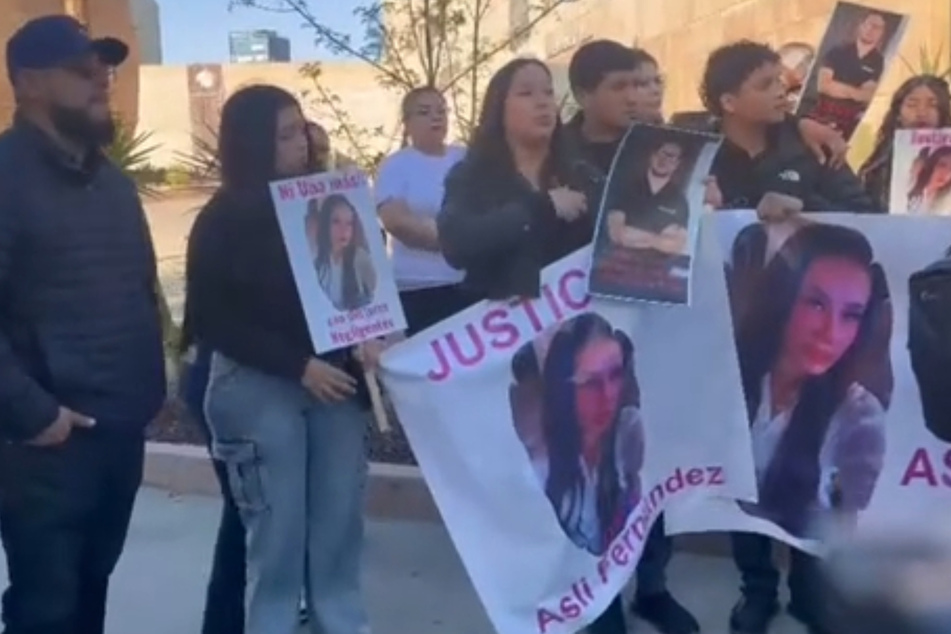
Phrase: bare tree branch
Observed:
(505, 43)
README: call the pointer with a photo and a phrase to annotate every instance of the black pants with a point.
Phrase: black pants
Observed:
(753, 555)
(426, 307)
(64, 515)
(651, 579)
(224, 598)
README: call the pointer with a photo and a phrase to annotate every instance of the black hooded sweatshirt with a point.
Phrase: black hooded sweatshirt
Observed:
(242, 300)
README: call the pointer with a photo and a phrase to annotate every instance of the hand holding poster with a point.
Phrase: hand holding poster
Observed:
(921, 172)
(551, 434)
(820, 320)
(338, 258)
(857, 46)
(647, 226)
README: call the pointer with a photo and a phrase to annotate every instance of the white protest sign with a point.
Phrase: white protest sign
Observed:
(338, 258)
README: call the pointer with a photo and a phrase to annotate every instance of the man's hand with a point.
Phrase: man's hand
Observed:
(712, 196)
(61, 428)
(778, 207)
(825, 142)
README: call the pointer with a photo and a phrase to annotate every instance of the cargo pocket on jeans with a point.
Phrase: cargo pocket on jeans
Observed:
(245, 474)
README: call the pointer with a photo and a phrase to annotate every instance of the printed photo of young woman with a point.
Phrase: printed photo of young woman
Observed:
(647, 224)
(855, 50)
(921, 172)
(576, 408)
(812, 322)
(340, 253)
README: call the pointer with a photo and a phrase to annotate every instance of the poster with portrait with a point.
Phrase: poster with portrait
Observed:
(921, 172)
(336, 252)
(647, 225)
(551, 435)
(858, 45)
(820, 316)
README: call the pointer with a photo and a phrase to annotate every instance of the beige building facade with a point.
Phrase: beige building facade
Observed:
(682, 33)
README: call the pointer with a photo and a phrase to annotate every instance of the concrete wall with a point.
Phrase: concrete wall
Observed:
(103, 17)
(372, 111)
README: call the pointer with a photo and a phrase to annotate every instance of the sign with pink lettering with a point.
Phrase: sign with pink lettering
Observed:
(552, 433)
(921, 172)
(338, 258)
(821, 324)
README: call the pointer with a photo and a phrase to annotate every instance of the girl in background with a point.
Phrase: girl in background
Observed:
(409, 191)
(341, 255)
(923, 102)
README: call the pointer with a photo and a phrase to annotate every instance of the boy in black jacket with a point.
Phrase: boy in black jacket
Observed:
(615, 86)
(764, 165)
(763, 151)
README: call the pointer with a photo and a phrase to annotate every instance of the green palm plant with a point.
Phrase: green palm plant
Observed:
(202, 161)
(132, 152)
(929, 64)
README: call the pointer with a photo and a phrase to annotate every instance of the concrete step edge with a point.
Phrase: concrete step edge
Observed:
(394, 492)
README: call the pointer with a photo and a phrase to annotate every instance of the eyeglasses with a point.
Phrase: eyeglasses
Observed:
(599, 381)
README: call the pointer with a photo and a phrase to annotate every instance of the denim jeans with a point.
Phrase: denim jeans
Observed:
(297, 468)
(224, 598)
(753, 554)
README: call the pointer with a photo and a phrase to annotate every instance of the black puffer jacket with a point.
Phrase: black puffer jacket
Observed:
(79, 317)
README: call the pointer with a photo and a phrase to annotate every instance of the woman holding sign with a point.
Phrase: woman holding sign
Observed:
(533, 214)
(288, 425)
(922, 102)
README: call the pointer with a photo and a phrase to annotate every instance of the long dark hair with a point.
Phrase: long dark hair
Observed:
(489, 154)
(790, 483)
(876, 171)
(561, 427)
(321, 213)
(929, 164)
(247, 136)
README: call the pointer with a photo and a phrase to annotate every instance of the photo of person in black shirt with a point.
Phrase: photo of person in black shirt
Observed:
(642, 248)
(857, 46)
(654, 214)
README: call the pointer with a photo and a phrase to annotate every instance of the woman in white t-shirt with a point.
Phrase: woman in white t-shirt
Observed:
(409, 192)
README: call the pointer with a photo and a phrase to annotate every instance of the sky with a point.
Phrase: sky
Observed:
(196, 31)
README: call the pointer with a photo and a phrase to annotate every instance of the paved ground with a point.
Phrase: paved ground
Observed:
(414, 581)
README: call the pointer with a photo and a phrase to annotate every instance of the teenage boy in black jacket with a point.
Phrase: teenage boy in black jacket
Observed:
(763, 151)
(616, 85)
(761, 157)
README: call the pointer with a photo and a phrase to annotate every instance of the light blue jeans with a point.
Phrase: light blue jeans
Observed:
(297, 469)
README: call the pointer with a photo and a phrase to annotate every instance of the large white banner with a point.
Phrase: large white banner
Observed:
(820, 317)
(553, 432)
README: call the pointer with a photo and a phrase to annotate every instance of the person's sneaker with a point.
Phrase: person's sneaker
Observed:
(665, 613)
(753, 615)
(807, 617)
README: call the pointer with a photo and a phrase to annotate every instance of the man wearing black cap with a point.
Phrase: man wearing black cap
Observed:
(81, 360)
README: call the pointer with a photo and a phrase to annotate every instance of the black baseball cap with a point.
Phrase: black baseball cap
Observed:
(53, 40)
